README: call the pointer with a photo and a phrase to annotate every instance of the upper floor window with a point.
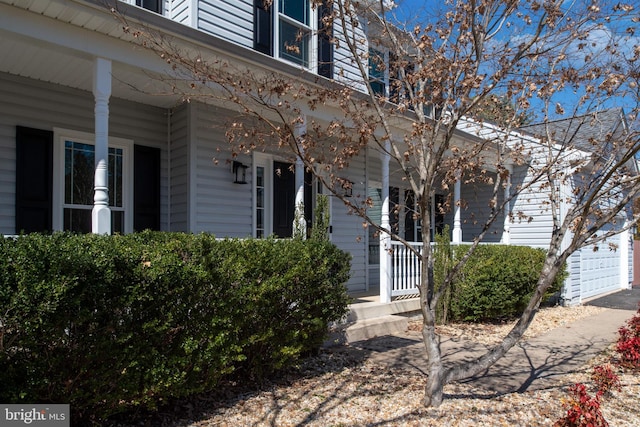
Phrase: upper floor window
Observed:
(152, 5)
(293, 30)
(377, 71)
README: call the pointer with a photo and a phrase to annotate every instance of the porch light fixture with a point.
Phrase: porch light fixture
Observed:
(240, 172)
(347, 187)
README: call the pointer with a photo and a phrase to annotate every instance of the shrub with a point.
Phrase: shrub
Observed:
(582, 409)
(107, 323)
(605, 379)
(497, 282)
(628, 345)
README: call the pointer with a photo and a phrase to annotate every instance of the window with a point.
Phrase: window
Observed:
(152, 5)
(74, 182)
(294, 31)
(79, 159)
(261, 202)
(377, 68)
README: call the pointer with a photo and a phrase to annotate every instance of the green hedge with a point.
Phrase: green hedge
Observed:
(108, 323)
(497, 282)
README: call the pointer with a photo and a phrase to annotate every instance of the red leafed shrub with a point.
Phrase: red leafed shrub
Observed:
(582, 409)
(628, 345)
(605, 379)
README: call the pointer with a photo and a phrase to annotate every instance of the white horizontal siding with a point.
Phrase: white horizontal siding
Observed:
(571, 289)
(348, 233)
(229, 20)
(346, 69)
(222, 207)
(475, 199)
(7, 169)
(530, 203)
(179, 170)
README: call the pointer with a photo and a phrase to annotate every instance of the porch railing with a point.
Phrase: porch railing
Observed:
(405, 269)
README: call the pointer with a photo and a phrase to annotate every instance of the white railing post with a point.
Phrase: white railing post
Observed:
(385, 239)
(506, 236)
(456, 236)
(299, 221)
(101, 214)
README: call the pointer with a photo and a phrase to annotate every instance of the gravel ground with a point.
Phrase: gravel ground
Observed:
(341, 388)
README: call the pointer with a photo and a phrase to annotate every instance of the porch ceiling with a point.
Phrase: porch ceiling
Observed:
(35, 56)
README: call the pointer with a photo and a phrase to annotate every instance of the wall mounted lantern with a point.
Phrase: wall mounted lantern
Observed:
(347, 187)
(240, 172)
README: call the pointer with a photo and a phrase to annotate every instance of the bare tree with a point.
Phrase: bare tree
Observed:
(552, 60)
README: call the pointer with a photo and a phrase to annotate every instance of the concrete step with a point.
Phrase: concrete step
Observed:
(375, 327)
(371, 310)
(373, 319)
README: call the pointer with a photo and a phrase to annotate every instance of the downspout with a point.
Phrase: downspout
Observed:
(169, 117)
(625, 280)
(367, 274)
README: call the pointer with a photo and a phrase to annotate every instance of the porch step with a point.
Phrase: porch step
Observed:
(376, 327)
(373, 319)
(372, 310)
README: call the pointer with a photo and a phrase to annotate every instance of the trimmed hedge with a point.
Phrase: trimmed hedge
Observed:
(497, 282)
(108, 323)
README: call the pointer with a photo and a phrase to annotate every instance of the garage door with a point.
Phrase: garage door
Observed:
(599, 271)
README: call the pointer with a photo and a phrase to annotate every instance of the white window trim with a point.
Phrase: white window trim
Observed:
(265, 161)
(59, 137)
(312, 27)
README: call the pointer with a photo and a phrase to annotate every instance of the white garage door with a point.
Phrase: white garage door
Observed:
(599, 271)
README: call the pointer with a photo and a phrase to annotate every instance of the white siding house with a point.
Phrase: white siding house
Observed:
(69, 72)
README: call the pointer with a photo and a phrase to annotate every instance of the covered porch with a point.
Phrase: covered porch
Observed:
(393, 268)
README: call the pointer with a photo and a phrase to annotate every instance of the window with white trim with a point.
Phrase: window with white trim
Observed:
(378, 72)
(294, 30)
(74, 182)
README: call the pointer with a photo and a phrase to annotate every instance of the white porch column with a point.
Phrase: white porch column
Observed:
(101, 215)
(385, 238)
(299, 222)
(506, 236)
(456, 235)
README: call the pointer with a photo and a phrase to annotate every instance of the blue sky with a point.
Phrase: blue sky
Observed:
(412, 12)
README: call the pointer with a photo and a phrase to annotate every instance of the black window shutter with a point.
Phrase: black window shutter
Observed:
(146, 188)
(34, 180)
(325, 47)
(262, 27)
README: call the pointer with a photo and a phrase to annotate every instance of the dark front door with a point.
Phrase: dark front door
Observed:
(283, 199)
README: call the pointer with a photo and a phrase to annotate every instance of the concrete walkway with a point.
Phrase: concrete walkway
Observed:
(532, 364)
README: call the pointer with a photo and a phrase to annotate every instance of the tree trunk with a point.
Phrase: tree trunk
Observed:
(433, 393)
(439, 376)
